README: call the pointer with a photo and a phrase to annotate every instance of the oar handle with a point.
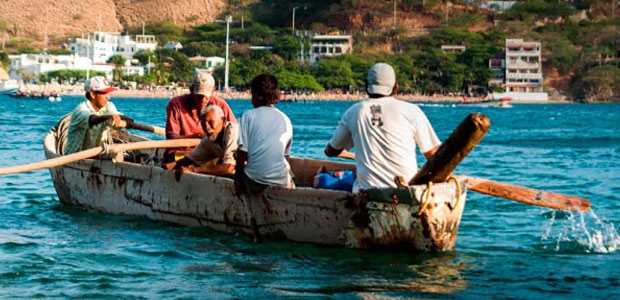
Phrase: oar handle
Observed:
(149, 128)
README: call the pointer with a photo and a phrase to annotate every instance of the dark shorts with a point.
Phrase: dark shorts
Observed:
(252, 185)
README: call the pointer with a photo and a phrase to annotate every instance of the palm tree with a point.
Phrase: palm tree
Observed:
(119, 62)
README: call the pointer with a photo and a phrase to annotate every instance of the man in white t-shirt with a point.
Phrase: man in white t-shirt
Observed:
(384, 132)
(265, 137)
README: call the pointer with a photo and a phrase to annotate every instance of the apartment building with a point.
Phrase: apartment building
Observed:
(100, 46)
(329, 45)
(524, 77)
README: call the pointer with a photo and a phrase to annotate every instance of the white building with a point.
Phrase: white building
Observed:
(174, 45)
(524, 77)
(453, 48)
(209, 63)
(37, 64)
(499, 5)
(329, 45)
(100, 46)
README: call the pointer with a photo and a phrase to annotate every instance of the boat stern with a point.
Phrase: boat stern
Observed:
(422, 218)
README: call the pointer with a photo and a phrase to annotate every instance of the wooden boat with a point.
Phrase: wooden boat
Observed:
(418, 218)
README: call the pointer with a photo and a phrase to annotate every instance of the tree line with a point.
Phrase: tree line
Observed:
(584, 51)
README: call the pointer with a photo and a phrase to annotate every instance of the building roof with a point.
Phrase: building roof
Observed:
(198, 58)
(331, 37)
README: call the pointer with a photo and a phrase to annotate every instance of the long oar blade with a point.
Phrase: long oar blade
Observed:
(114, 148)
(527, 195)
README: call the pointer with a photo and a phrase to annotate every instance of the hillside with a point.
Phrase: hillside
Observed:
(28, 23)
(33, 19)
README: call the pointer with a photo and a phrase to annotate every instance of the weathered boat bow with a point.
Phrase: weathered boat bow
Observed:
(420, 218)
(424, 218)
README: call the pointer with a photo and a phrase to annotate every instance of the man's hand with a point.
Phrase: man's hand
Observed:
(170, 165)
(114, 121)
(179, 170)
(128, 121)
(199, 135)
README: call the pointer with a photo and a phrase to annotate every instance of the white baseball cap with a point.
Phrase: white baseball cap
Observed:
(203, 84)
(381, 79)
(98, 84)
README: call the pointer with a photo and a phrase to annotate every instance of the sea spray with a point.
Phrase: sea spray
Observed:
(580, 232)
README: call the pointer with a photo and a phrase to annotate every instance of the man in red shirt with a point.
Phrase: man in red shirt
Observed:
(182, 113)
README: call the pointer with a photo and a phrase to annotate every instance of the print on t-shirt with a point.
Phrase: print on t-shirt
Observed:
(375, 111)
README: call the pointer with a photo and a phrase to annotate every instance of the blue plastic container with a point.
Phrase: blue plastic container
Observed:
(336, 180)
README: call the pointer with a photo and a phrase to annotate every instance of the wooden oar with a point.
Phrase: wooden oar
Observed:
(521, 194)
(526, 195)
(149, 128)
(113, 148)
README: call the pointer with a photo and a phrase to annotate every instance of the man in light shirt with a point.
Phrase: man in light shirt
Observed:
(384, 132)
(91, 118)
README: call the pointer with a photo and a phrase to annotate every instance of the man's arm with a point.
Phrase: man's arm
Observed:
(331, 151)
(219, 169)
(430, 153)
(95, 119)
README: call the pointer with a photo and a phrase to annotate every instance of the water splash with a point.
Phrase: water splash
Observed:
(580, 232)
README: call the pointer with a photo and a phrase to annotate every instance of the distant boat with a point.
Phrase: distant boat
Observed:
(54, 97)
(8, 86)
(495, 102)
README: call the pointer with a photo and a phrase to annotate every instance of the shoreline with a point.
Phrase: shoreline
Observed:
(321, 97)
(165, 93)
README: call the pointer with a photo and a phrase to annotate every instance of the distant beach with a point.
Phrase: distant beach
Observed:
(167, 92)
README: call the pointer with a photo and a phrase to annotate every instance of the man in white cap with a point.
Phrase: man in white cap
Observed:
(183, 113)
(92, 117)
(384, 132)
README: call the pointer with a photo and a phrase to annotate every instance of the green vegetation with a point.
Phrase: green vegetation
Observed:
(5, 63)
(584, 50)
(71, 76)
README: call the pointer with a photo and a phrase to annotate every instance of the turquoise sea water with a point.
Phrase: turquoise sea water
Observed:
(504, 249)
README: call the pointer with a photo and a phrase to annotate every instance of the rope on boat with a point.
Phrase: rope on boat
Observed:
(426, 199)
(424, 204)
(458, 191)
(106, 148)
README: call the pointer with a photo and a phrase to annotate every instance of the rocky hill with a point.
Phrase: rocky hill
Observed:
(59, 19)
